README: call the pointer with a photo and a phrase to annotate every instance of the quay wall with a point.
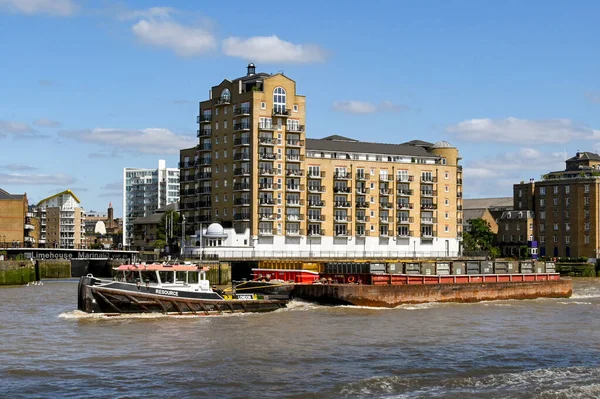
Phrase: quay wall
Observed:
(394, 295)
(17, 272)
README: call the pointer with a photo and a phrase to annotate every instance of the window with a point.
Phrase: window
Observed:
(446, 188)
(555, 226)
(225, 111)
(555, 189)
(224, 153)
(446, 175)
(263, 105)
(555, 238)
(542, 202)
(225, 127)
(518, 226)
(555, 201)
(567, 201)
(530, 226)
(586, 200)
(542, 227)
(567, 226)
(446, 228)
(446, 215)
(586, 188)
(519, 205)
(225, 95)
(295, 107)
(542, 190)
(447, 202)
(520, 193)
(542, 239)
(279, 101)
(402, 175)
(586, 226)
(216, 125)
(567, 189)
(586, 239)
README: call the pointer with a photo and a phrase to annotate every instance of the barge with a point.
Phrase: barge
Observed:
(167, 289)
(397, 283)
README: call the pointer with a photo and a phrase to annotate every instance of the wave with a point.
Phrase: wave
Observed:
(570, 382)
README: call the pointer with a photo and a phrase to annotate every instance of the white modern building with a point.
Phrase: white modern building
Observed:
(144, 191)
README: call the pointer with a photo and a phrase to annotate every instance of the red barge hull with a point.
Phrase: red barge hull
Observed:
(394, 290)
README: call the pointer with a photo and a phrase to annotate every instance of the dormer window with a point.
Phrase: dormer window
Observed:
(226, 95)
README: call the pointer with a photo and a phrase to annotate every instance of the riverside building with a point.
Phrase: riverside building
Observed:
(557, 216)
(270, 190)
(62, 221)
(144, 191)
(18, 227)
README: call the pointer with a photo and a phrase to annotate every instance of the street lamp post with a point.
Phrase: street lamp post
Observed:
(182, 235)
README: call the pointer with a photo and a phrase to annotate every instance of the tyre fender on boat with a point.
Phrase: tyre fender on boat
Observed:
(351, 279)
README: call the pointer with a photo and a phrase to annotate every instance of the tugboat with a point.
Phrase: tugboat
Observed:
(181, 289)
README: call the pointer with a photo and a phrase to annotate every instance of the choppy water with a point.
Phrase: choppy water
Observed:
(510, 349)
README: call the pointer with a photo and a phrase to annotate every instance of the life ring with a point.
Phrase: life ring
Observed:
(351, 279)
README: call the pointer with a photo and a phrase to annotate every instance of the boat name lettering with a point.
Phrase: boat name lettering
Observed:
(167, 292)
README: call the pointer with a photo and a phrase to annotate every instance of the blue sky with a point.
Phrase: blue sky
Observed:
(88, 88)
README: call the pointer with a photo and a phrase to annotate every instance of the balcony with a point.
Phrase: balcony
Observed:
(241, 201)
(362, 205)
(428, 234)
(266, 126)
(402, 205)
(267, 156)
(239, 127)
(386, 191)
(242, 111)
(294, 172)
(267, 201)
(242, 217)
(295, 202)
(341, 233)
(204, 204)
(244, 156)
(267, 232)
(404, 220)
(241, 172)
(459, 181)
(404, 233)
(203, 175)
(266, 172)
(281, 112)
(241, 186)
(204, 218)
(294, 158)
(362, 177)
(386, 178)
(295, 187)
(223, 100)
(316, 189)
(362, 219)
(205, 147)
(404, 192)
(189, 191)
(204, 190)
(294, 143)
(362, 190)
(294, 217)
(386, 205)
(428, 206)
(242, 141)
(342, 175)
(316, 175)
(342, 190)
(316, 204)
(294, 232)
(385, 220)
(426, 220)
(294, 128)
(205, 161)
(405, 179)
(428, 179)
(204, 132)
(204, 118)
(266, 186)
(342, 204)
(316, 218)
(384, 233)
(268, 141)
(363, 233)
(428, 193)
(29, 239)
(186, 165)
(267, 216)
(29, 226)
(459, 194)
(316, 232)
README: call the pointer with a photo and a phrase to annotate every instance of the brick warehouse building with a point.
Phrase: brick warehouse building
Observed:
(18, 227)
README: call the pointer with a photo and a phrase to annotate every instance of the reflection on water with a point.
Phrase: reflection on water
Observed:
(542, 348)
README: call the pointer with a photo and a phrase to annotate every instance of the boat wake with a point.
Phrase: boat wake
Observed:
(571, 382)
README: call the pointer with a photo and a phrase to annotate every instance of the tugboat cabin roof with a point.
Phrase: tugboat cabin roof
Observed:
(162, 268)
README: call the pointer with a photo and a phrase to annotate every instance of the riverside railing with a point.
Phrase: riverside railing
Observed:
(249, 254)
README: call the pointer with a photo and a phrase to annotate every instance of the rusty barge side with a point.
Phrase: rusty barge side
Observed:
(394, 295)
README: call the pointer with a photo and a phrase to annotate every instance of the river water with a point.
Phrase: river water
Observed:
(546, 348)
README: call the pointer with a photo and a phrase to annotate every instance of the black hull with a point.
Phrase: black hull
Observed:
(114, 299)
(265, 288)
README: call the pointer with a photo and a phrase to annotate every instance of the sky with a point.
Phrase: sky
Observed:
(88, 88)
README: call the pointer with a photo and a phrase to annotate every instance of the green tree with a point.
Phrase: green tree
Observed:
(479, 236)
(169, 232)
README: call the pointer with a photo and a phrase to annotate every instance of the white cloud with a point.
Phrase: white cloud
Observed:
(362, 107)
(184, 41)
(61, 8)
(522, 131)
(17, 167)
(47, 122)
(16, 178)
(115, 186)
(17, 129)
(271, 49)
(153, 12)
(148, 141)
(593, 96)
(495, 176)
